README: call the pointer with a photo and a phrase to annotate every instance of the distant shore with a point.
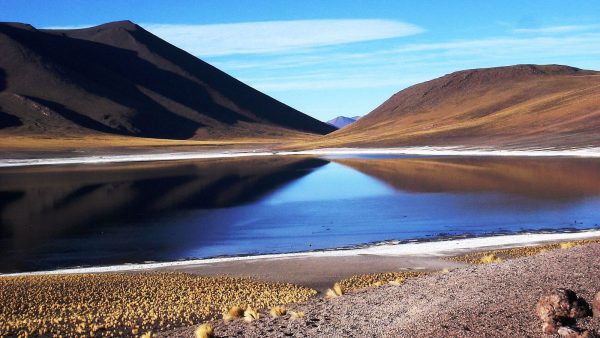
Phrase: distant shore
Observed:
(99, 158)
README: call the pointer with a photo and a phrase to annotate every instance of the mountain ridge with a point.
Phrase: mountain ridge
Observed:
(119, 79)
(511, 106)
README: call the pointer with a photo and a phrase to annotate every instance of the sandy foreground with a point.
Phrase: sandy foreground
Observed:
(591, 152)
(493, 300)
(469, 301)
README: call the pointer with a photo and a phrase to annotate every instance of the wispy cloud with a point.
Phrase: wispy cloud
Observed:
(555, 29)
(404, 64)
(277, 36)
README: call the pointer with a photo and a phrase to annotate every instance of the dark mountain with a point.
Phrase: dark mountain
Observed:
(515, 106)
(118, 78)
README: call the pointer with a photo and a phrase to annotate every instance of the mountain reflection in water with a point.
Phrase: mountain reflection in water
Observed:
(61, 216)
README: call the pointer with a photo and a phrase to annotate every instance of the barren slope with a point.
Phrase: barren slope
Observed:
(516, 106)
(119, 79)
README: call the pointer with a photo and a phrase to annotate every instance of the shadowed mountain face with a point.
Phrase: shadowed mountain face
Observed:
(46, 205)
(551, 179)
(516, 106)
(118, 78)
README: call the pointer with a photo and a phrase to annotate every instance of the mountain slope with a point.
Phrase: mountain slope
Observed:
(118, 78)
(341, 121)
(516, 106)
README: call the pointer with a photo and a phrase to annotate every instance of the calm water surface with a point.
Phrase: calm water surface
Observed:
(67, 216)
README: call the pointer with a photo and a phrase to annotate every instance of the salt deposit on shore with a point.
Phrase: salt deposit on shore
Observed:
(414, 151)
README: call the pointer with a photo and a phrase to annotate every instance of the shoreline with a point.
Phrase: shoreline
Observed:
(591, 152)
(422, 253)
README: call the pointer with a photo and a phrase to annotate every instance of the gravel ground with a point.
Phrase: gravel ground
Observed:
(495, 300)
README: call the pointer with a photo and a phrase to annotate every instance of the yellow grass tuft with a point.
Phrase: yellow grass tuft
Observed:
(335, 292)
(338, 289)
(296, 315)
(567, 245)
(147, 335)
(491, 258)
(278, 311)
(250, 315)
(233, 313)
(397, 281)
(445, 270)
(204, 331)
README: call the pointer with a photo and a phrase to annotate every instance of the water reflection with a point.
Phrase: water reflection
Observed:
(547, 178)
(40, 207)
(87, 215)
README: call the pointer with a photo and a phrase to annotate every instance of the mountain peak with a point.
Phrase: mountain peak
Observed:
(522, 105)
(515, 72)
(18, 25)
(123, 24)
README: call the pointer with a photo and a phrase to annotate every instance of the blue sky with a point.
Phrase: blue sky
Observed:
(343, 57)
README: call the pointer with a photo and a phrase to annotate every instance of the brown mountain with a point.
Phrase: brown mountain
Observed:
(119, 79)
(516, 106)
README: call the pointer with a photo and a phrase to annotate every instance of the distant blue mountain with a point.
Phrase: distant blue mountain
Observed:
(342, 121)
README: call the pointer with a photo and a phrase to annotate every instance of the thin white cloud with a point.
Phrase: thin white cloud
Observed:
(403, 65)
(555, 29)
(277, 36)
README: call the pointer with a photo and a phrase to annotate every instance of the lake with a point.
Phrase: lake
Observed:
(66, 216)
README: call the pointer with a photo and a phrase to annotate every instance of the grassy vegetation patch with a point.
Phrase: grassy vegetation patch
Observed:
(495, 256)
(128, 304)
(376, 279)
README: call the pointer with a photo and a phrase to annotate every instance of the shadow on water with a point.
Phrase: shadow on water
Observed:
(42, 205)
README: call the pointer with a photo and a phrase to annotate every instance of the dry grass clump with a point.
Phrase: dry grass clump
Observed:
(377, 279)
(335, 292)
(568, 245)
(128, 304)
(490, 258)
(233, 313)
(397, 282)
(511, 253)
(204, 331)
(295, 315)
(278, 311)
(250, 314)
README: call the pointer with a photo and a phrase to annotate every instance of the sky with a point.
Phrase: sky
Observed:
(344, 57)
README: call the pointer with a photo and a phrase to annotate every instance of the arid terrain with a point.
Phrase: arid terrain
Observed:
(115, 82)
(512, 107)
(489, 300)
(471, 294)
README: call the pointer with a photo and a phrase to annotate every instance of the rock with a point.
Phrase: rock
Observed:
(550, 327)
(562, 306)
(567, 332)
(596, 305)
(570, 332)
